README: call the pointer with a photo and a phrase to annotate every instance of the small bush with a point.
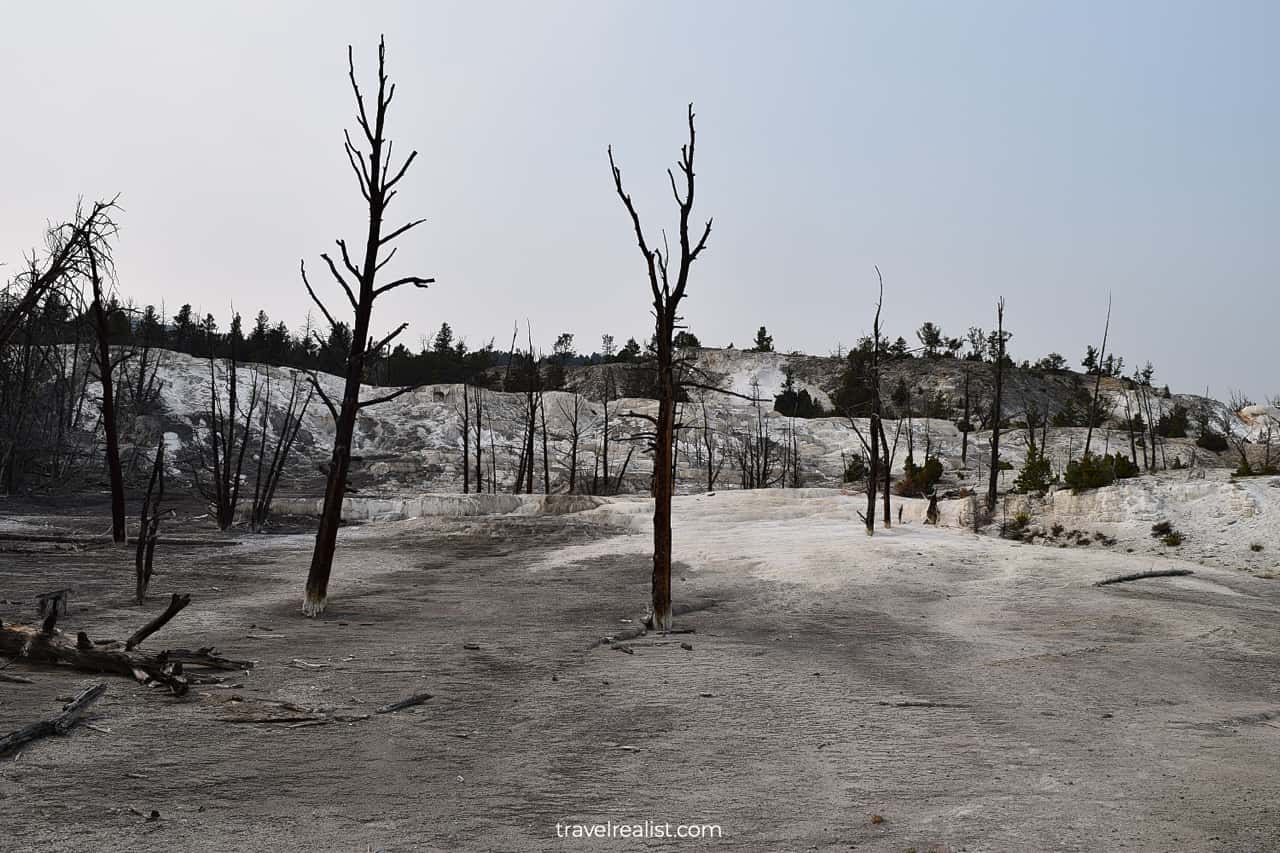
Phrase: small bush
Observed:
(1173, 539)
(1036, 475)
(1094, 472)
(855, 469)
(1056, 530)
(1255, 547)
(1161, 528)
(1173, 424)
(1212, 441)
(919, 480)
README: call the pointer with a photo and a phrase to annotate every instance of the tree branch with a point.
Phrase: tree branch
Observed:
(316, 299)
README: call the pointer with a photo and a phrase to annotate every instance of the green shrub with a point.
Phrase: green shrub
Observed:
(1255, 547)
(1036, 475)
(855, 469)
(1056, 530)
(798, 404)
(1173, 539)
(1210, 440)
(1173, 424)
(919, 480)
(1094, 472)
(1161, 528)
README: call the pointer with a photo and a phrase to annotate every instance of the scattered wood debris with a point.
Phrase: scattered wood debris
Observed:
(58, 725)
(50, 646)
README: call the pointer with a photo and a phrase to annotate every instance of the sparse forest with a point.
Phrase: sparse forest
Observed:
(587, 537)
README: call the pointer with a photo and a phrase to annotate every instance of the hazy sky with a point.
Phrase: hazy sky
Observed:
(1049, 152)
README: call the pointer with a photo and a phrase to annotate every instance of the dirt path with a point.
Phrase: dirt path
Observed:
(975, 694)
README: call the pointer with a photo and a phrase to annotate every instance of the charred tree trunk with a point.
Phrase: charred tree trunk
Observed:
(466, 441)
(106, 368)
(1097, 382)
(667, 295)
(377, 186)
(994, 483)
(149, 524)
(479, 444)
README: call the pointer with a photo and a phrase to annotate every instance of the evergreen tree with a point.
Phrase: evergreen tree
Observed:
(764, 341)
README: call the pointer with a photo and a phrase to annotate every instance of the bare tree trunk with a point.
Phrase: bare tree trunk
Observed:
(106, 367)
(666, 303)
(466, 441)
(479, 443)
(149, 524)
(377, 186)
(1097, 383)
(995, 409)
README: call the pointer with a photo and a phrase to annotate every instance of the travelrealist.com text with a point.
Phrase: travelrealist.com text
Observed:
(641, 830)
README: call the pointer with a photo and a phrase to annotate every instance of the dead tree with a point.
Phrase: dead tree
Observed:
(964, 433)
(996, 402)
(479, 396)
(667, 295)
(270, 470)
(1237, 438)
(229, 436)
(1097, 382)
(610, 391)
(149, 524)
(377, 184)
(875, 437)
(713, 462)
(98, 256)
(65, 257)
(573, 416)
(466, 441)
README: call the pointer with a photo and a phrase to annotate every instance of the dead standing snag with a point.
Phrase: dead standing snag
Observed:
(667, 295)
(377, 185)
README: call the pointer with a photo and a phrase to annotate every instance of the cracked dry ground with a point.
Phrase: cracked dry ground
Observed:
(972, 693)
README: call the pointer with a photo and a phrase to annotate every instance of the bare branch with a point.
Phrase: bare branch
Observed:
(400, 282)
(396, 233)
(362, 117)
(386, 185)
(351, 297)
(346, 261)
(388, 397)
(316, 299)
(376, 348)
(315, 385)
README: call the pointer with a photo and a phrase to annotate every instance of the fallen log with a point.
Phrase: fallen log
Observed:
(416, 699)
(1137, 576)
(90, 541)
(55, 648)
(59, 725)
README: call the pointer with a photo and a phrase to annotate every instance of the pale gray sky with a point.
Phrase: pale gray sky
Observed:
(1049, 152)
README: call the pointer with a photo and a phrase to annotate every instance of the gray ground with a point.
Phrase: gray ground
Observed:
(1140, 716)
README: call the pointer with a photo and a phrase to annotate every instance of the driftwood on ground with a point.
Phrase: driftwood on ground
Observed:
(49, 646)
(417, 699)
(1137, 576)
(58, 725)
